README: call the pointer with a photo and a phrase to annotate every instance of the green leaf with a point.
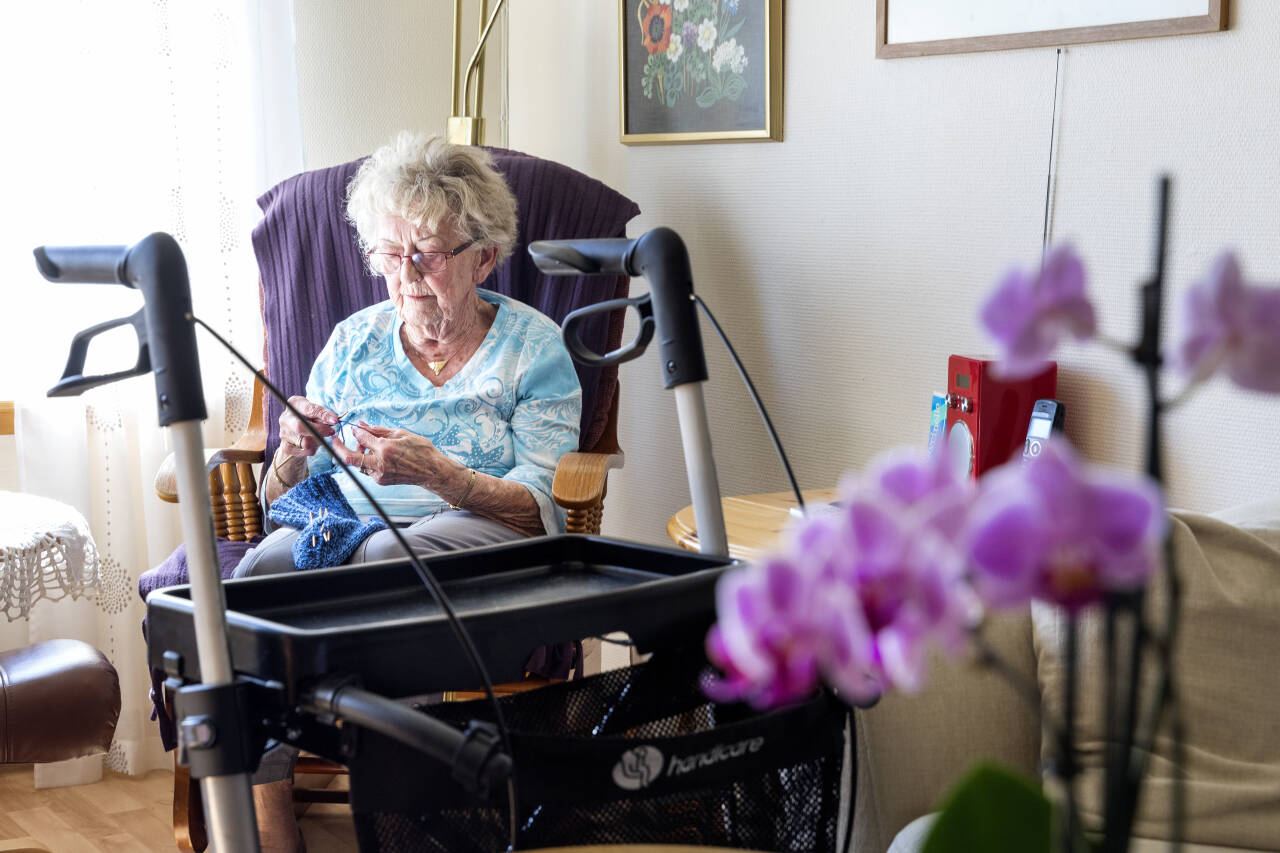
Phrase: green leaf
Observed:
(708, 97)
(732, 31)
(992, 810)
(734, 87)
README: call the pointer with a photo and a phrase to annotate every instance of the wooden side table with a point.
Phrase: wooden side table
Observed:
(752, 522)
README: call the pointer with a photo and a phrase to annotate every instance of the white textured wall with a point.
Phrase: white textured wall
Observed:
(847, 262)
(370, 68)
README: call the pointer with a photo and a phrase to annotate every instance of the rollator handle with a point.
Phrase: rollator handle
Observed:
(166, 336)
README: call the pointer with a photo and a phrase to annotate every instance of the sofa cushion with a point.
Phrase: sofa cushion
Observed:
(1229, 567)
(911, 748)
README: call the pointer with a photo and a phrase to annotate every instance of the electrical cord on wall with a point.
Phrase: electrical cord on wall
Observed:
(424, 573)
(1049, 178)
(755, 398)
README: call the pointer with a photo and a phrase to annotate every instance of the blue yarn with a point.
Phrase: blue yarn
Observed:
(316, 506)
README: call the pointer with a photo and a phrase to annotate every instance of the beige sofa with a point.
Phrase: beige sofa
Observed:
(911, 748)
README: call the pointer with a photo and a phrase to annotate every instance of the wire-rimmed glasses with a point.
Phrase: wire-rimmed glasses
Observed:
(426, 263)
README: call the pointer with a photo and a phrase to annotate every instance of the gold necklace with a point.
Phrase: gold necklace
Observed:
(437, 366)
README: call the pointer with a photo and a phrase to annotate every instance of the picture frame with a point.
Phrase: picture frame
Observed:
(927, 27)
(699, 71)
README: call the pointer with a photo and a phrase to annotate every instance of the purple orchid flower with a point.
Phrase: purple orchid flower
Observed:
(906, 517)
(782, 624)
(1231, 325)
(1058, 531)
(855, 599)
(1028, 315)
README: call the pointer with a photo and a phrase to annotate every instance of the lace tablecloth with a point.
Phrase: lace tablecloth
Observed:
(46, 552)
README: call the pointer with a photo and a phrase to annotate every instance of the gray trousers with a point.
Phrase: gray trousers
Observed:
(448, 531)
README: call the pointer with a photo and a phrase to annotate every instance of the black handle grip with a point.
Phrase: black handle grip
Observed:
(74, 382)
(155, 266)
(83, 264)
(584, 355)
(602, 256)
(659, 256)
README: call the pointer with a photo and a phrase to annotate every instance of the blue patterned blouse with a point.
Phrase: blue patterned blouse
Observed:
(511, 411)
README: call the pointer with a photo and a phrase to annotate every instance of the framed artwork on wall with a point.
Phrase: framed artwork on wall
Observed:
(922, 27)
(700, 70)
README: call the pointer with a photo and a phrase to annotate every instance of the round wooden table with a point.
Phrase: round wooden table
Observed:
(752, 523)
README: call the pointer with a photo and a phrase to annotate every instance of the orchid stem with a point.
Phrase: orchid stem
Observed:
(1066, 746)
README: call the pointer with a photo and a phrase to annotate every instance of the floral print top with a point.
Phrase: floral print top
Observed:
(511, 412)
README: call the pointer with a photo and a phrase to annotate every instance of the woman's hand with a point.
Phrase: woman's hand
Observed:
(393, 457)
(396, 456)
(295, 440)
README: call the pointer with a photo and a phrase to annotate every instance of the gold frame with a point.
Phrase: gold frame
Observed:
(1214, 20)
(772, 131)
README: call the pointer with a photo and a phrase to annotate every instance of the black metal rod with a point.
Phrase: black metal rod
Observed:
(1067, 766)
(1127, 787)
(401, 723)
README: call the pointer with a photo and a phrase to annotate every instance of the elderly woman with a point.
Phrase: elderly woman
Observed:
(453, 402)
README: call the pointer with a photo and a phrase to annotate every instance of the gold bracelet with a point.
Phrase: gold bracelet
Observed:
(466, 491)
(275, 466)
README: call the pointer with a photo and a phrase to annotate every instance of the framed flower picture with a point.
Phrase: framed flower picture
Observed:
(700, 70)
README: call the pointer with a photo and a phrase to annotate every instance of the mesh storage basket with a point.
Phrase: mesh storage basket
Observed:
(636, 755)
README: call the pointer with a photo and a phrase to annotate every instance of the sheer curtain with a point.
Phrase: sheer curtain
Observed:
(125, 118)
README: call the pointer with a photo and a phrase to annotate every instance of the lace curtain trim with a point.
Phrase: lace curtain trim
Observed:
(46, 552)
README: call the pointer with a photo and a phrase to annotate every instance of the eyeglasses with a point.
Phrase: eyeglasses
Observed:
(426, 263)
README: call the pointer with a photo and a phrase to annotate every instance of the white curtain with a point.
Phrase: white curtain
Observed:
(125, 118)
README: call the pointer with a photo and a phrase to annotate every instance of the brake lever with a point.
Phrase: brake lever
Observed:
(74, 382)
(584, 355)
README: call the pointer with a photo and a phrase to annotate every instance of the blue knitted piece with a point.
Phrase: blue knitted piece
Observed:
(316, 507)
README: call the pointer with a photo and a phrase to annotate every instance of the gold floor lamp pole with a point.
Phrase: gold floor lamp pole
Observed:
(466, 126)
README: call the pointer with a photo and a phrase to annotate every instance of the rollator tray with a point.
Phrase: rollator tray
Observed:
(379, 621)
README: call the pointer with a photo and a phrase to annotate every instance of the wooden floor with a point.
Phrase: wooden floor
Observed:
(129, 814)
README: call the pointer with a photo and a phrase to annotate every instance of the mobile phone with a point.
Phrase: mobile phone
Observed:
(1047, 419)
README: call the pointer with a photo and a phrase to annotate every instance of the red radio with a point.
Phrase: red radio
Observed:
(987, 417)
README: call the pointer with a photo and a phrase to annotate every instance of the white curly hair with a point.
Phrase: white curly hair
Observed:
(430, 182)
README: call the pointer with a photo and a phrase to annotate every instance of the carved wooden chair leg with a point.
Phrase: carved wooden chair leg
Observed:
(250, 511)
(218, 502)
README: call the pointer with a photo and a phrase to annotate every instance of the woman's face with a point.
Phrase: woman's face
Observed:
(435, 302)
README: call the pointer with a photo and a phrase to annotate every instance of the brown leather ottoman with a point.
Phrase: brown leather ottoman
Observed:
(58, 700)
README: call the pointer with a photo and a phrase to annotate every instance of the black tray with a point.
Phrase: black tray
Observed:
(379, 621)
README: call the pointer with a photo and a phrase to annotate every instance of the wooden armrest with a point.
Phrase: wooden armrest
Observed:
(581, 478)
(233, 485)
(249, 449)
(166, 475)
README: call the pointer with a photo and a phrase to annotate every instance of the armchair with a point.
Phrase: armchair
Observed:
(312, 275)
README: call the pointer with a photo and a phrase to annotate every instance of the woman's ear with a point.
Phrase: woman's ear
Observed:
(488, 256)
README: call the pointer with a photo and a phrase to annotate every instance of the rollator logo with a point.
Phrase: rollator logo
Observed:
(714, 755)
(637, 768)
